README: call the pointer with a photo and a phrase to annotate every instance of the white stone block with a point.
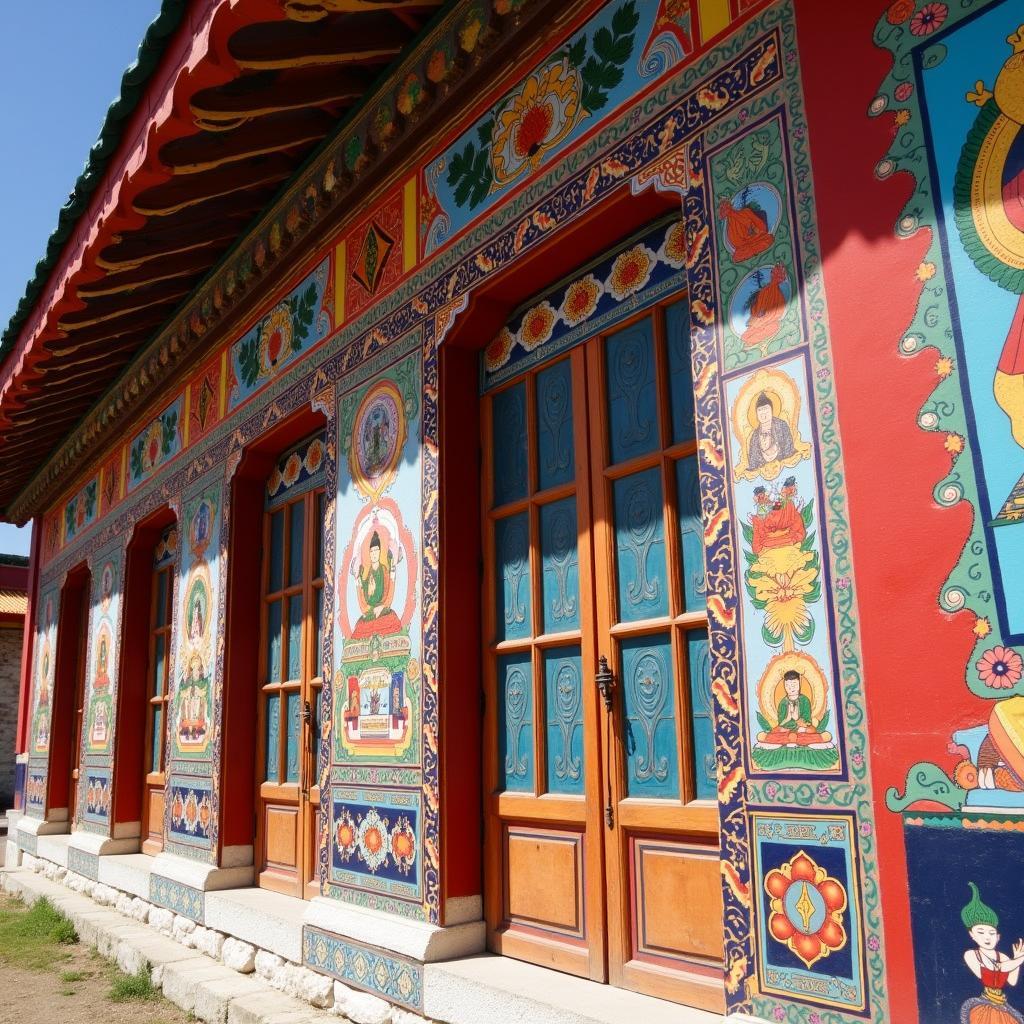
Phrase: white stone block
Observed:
(161, 919)
(182, 930)
(139, 910)
(213, 997)
(104, 895)
(239, 956)
(208, 941)
(361, 1007)
(401, 1016)
(123, 903)
(267, 964)
(12, 855)
(315, 988)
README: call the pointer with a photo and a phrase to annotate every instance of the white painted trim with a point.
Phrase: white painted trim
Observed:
(40, 827)
(98, 846)
(197, 875)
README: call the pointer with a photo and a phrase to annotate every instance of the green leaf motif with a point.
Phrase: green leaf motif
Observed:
(248, 361)
(612, 49)
(470, 175)
(170, 433)
(303, 309)
(136, 459)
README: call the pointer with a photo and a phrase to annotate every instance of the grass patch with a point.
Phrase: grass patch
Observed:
(33, 939)
(70, 977)
(128, 988)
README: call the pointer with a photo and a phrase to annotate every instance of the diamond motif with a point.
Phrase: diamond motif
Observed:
(373, 257)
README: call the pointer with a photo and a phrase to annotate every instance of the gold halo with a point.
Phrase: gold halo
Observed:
(813, 684)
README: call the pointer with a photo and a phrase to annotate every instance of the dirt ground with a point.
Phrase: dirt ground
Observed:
(74, 989)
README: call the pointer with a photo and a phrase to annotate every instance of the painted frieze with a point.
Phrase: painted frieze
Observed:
(608, 61)
(206, 399)
(298, 321)
(104, 641)
(97, 785)
(158, 442)
(81, 510)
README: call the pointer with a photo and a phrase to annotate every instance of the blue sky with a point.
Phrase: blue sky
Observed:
(60, 68)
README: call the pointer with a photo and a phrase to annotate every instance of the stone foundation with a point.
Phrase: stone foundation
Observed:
(248, 962)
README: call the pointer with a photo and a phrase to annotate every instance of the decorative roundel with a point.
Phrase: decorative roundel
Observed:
(200, 530)
(378, 435)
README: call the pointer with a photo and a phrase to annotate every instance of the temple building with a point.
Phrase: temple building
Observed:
(528, 506)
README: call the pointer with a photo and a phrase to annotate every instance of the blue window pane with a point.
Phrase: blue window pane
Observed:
(561, 580)
(272, 737)
(640, 543)
(512, 554)
(158, 724)
(295, 637)
(296, 536)
(318, 637)
(680, 371)
(276, 551)
(274, 642)
(161, 599)
(691, 535)
(515, 723)
(648, 697)
(509, 444)
(294, 713)
(563, 683)
(698, 658)
(555, 451)
(632, 395)
(159, 665)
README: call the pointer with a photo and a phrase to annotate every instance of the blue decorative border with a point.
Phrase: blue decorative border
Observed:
(182, 899)
(394, 978)
(84, 863)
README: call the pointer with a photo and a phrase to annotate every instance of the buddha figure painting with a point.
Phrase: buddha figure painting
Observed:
(793, 715)
(749, 219)
(765, 419)
(374, 569)
(993, 969)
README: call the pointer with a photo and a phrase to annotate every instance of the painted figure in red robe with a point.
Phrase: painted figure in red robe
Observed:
(781, 523)
(746, 229)
(767, 308)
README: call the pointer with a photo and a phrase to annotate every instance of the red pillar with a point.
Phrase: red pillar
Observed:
(28, 637)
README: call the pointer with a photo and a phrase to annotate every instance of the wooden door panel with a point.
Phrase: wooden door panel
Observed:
(282, 835)
(544, 881)
(154, 818)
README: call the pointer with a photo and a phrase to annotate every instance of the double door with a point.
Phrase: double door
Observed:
(288, 797)
(602, 821)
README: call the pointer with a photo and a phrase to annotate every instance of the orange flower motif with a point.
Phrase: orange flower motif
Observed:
(630, 272)
(954, 444)
(944, 367)
(314, 456)
(902, 117)
(537, 326)
(899, 12)
(675, 246)
(496, 354)
(292, 469)
(1000, 668)
(925, 272)
(807, 909)
(581, 298)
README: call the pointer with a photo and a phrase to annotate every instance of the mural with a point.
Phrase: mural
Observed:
(596, 70)
(972, 196)
(158, 442)
(196, 629)
(190, 811)
(104, 631)
(376, 686)
(788, 657)
(205, 400)
(294, 325)
(45, 650)
(97, 795)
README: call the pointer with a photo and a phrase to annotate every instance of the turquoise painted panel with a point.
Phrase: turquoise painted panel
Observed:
(161, 599)
(563, 687)
(515, 723)
(276, 551)
(560, 586)
(296, 524)
(555, 447)
(698, 658)
(512, 554)
(632, 392)
(295, 637)
(509, 444)
(272, 737)
(274, 643)
(293, 711)
(154, 739)
(640, 545)
(680, 371)
(159, 665)
(648, 699)
(691, 535)
(156, 444)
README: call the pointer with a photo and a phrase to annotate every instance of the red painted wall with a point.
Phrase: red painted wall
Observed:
(904, 544)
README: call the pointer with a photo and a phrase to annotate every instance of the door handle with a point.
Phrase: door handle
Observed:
(307, 713)
(605, 680)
